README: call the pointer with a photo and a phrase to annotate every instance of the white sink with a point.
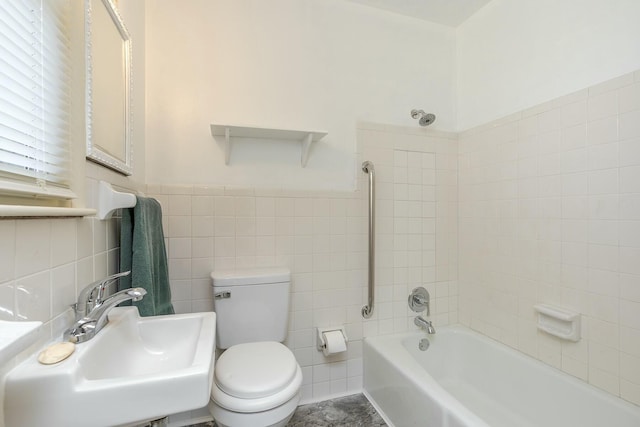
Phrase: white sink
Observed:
(135, 369)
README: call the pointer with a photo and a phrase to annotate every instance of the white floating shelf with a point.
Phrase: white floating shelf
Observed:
(305, 137)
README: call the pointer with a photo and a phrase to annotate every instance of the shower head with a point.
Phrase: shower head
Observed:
(427, 119)
(424, 119)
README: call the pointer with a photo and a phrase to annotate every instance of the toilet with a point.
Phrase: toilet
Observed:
(257, 379)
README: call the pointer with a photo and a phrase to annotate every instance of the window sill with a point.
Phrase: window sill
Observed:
(14, 211)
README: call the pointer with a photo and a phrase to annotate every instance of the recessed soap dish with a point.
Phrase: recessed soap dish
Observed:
(558, 321)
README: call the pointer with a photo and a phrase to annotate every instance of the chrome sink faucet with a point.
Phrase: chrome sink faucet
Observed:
(92, 295)
(88, 326)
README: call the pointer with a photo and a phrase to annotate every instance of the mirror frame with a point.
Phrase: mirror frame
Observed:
(94, 152)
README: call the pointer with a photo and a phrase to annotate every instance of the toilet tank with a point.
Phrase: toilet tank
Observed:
(251, 305)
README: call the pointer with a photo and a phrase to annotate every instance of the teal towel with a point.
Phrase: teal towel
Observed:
(142, 251)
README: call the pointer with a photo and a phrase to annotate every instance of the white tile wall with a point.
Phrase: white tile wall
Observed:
(550, 212)
(44, 263)
(321, 237)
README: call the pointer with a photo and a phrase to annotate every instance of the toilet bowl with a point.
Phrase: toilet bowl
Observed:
(255, 384)
(257, 379)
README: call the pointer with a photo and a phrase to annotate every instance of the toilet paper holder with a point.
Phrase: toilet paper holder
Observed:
(321, 344)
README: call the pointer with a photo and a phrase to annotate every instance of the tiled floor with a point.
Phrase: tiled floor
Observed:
(350, 411)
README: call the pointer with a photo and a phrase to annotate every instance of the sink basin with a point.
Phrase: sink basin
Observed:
(136, 369)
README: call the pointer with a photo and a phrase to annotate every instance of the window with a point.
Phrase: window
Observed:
(35, 60)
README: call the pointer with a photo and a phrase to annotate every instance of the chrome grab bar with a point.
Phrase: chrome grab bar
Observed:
(367, 167)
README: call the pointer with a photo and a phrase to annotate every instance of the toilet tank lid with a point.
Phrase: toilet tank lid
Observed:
(251, 276)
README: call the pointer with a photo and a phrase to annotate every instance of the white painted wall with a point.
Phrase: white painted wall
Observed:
(316, 64)
(514, 54)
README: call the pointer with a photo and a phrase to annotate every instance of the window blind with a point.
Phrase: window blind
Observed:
(35, 83)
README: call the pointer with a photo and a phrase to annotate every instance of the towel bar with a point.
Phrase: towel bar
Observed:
(109, 200)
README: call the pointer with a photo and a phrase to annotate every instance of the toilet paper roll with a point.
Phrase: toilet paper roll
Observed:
(334, 342)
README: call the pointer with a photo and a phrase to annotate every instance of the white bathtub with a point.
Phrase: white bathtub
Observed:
(467, 380)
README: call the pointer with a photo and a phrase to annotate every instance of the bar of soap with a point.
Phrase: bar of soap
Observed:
(56, 353)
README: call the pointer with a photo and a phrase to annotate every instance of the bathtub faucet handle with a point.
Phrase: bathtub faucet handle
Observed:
(419, 300)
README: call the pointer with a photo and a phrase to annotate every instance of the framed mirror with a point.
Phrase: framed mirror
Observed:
(108, 92)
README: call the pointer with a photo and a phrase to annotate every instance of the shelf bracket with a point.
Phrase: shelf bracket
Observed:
(227, 145)
(306, 147)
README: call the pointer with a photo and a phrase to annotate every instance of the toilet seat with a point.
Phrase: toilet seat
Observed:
(254, 370)
(255, 377)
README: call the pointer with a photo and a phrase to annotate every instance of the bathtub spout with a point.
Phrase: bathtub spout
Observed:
(424, 324)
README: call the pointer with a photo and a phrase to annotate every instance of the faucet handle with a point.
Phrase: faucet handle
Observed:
(87, 300)
(106, 282)
(419, 300)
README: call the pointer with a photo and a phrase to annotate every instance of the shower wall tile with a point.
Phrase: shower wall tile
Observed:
(551, 213)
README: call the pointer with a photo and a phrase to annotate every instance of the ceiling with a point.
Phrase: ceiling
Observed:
(446, 12)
